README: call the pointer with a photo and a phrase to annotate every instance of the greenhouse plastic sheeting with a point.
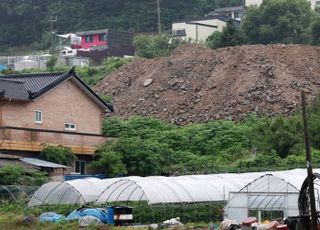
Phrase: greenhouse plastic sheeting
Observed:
(244, 189)
(182, 189)
(79, 191)
(274, 191)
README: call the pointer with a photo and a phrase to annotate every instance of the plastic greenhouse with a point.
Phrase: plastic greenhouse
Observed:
(154, 190)
(79, 191)
(193, 197)
(182, 189)
(272, 195)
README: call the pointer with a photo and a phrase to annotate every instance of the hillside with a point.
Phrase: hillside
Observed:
(25, 22)
(197, 84)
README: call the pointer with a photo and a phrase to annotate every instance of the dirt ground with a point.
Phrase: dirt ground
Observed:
(197, 84)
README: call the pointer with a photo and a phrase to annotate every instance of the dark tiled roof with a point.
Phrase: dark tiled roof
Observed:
(32, 86)
(13, 89)
(34, 82)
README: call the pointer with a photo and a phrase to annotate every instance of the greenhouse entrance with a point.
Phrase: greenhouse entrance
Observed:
(272, 196)
(267, 207)
(267, 215)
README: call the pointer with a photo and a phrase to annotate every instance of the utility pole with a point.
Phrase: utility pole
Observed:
(159, 16)
(52, 20)
(309, 164)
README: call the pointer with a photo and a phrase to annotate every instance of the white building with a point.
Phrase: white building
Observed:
(199, 30)
(235, 12)
(253, 2)
(314, 3)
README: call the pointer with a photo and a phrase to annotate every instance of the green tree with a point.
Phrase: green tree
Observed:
(51, 63)
(230, 36)
(24, 22)
(93, 75)
(315, 31)
(135, 126)
(141, 157)
(151, 147)
(261, 162)
(107, 161)
(278, 21)
(58, 154)
(15, 174)
(151, 46)
(214, 41)
(278, 134)
(314, 123)
(147, 146)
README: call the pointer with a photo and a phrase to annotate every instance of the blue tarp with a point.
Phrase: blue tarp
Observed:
(101, 214)
(75, 177)
(50, 217)
(3, 67)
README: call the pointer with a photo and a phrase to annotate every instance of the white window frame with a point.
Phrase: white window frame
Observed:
(69, 128)
(36, 112)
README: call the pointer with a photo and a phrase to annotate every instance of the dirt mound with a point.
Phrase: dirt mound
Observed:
(197, 84)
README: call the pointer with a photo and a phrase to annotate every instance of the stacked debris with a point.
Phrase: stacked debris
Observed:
(197, 84)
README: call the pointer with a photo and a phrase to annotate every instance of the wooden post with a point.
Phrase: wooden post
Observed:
(309, 163)
(197, 33)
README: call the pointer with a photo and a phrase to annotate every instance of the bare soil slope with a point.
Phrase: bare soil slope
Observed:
(197, 84)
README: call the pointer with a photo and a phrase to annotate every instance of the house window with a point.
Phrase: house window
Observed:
(38, 117)
(180, 33)
(102, 37)
(237, 15)
(89, 38)
(70, 127)
(80, 167)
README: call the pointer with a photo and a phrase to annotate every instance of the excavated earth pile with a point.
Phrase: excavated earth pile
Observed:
(197, 84)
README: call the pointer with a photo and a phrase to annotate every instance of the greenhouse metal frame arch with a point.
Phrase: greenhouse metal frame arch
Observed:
(80, 191)
(169, 190)
(272, 192)
(17, 191)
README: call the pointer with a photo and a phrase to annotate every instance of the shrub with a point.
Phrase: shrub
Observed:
(58, 154)
(15, 174)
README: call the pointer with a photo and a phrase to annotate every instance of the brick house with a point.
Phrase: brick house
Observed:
(53, 109)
